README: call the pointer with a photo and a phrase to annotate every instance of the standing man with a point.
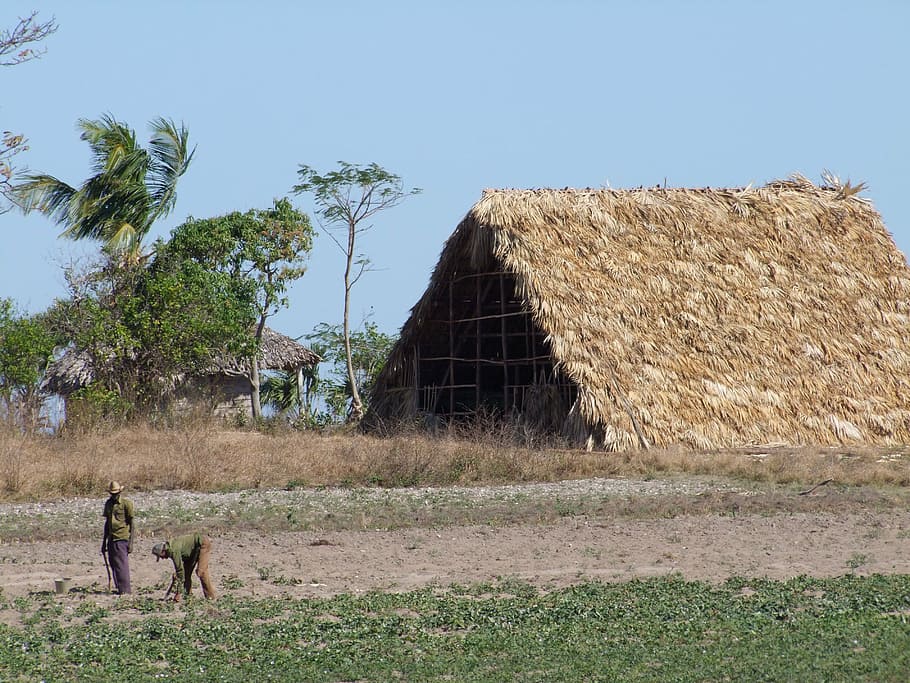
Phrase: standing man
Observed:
(119, 530)
(187, 553)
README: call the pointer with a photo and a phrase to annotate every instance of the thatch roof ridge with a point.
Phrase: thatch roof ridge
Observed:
(280, 351)
(277, 352)
(74, 370)
(832, 184)
(723, 316)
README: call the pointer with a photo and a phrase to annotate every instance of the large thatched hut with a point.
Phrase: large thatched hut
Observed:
(224, 388)
(655, 317)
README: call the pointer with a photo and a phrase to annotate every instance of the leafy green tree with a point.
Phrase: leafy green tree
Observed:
(130, 188)
(92, 322)
(142, 328)
(263, 249)
(16, 47)
(183, 315)
(366, 351)
(347, 199)
(26, 346)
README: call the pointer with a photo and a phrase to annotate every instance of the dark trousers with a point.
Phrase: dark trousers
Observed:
(120, 565)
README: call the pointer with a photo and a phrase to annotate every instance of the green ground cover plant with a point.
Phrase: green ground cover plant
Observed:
(849, 628)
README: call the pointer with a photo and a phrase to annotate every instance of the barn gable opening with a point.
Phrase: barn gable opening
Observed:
(481, 352)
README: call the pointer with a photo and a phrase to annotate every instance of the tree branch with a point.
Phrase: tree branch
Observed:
(13, 42)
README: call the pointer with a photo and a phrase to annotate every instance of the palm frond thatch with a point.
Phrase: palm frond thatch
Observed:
(701, 317)
(74, 369)
(277, 352)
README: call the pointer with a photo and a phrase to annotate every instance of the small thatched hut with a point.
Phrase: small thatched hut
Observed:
(225, 386)
(630, 318)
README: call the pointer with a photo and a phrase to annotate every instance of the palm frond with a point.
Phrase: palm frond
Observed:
(124, 238)
(109, 140)
(129, 189)
(282, 392)
(845, 189)
(129, 168)
(46, 194)
(169, 159)
(100, 209)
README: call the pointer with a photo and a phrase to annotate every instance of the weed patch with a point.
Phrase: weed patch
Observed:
(849, 628)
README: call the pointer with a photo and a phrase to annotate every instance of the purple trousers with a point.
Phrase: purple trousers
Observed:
(119, 558)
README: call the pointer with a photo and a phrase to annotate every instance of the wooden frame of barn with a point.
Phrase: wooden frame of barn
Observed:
(657, 316)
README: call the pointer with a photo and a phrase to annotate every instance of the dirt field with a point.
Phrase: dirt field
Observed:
(548, 554)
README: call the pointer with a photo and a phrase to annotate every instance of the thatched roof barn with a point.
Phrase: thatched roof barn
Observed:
(656, 317)
(227, 380)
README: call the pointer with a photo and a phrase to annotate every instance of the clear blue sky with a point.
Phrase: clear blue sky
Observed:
(456, 97)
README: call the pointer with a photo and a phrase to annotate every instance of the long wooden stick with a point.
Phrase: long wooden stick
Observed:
(808, 491)
(171, 587)
(107, 567)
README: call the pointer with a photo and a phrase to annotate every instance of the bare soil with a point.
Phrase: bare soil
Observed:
(551, 553)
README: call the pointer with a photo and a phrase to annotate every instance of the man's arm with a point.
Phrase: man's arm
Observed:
(131, 522)
(179, 573)
(107, 533)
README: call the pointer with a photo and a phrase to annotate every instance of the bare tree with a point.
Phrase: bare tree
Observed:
(346, 200)
(18, 45)
(15, 43)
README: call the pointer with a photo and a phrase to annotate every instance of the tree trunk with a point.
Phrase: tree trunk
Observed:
(356, 404)
(254, 370)
(254, 394)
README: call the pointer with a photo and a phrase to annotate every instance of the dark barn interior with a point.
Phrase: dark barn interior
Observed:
(481, 352)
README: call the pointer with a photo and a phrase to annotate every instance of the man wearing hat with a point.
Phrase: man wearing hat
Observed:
(187, 553)
(119, 531)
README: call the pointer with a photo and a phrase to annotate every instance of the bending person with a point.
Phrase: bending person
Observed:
(188, 553)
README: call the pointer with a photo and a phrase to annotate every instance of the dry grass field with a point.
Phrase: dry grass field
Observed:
(203, 456)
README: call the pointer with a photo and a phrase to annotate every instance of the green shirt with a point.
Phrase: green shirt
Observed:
(118, 517)
(184, 550)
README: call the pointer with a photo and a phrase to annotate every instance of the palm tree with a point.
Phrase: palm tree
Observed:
(292, 394)
(129, 190)
(281, 391)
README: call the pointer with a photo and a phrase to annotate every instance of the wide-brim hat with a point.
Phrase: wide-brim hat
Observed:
(114, 487)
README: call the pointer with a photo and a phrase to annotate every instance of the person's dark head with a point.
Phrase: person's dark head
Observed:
(159, 550)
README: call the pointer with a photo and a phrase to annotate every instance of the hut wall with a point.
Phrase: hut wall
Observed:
(222, 395)
(482, 352)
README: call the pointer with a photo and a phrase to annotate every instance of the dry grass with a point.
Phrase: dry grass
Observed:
(203, 457)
